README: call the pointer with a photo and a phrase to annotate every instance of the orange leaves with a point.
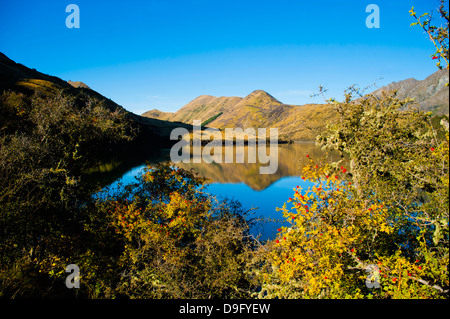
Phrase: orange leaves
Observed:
(148, 177)
(167, 221)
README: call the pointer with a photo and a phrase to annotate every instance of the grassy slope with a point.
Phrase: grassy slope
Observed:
(203, 108)
(157, 114)
(257, 110)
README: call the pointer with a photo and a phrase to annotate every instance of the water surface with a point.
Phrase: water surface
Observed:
(260, 193)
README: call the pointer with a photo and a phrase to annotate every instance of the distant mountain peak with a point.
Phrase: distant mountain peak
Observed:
(259, 92)
(430, 93)
(78, 84)
(259, 98)
(157, 114)
(262, 94)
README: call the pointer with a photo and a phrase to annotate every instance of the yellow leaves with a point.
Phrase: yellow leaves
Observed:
(329, 233)
(385, 228)
(53, 265)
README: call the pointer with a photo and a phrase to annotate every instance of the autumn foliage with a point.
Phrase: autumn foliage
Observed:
(177, 241)
(375, 224)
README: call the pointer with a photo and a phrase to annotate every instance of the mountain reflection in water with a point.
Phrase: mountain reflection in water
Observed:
(238, 181)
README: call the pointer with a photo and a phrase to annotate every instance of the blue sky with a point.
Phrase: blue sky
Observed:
(164, 53)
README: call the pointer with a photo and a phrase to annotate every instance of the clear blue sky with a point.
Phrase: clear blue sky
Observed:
(164, 53)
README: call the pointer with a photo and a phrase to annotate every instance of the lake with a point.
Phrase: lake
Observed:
(262, 193)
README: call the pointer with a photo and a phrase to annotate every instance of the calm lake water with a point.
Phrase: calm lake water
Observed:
(239, 181)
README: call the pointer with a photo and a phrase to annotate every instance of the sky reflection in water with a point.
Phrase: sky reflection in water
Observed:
(242, 182)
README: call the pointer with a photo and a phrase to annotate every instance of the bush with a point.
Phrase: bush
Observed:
(178, 242)
(45, 143)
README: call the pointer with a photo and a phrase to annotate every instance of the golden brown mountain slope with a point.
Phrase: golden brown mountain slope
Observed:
(157, 114)
(78, 84)
(204, 107)
(297, 122)
(259, 109)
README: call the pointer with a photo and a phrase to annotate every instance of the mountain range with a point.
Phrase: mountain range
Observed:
(257, 110)
(297, 122)
(431, 94)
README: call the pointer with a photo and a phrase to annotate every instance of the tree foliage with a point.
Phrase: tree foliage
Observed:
(375, 224)
(45, 143)
(382, 211)
(178, 242)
